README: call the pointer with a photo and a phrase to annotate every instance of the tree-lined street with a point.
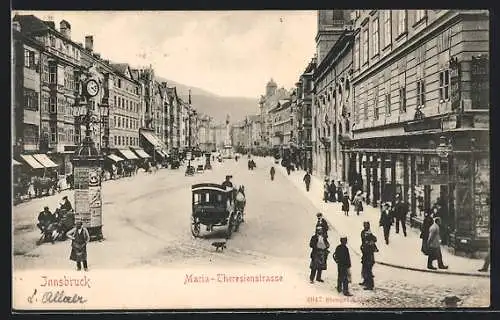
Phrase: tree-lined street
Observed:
(147, 224)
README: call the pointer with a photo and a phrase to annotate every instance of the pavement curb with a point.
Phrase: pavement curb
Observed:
(387, 264)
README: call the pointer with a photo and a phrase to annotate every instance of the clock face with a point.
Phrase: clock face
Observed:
(92, 88)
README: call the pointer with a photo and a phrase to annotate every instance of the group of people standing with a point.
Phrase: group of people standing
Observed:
(320, 250)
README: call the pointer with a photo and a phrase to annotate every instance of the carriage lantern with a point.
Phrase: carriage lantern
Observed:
(87, 163)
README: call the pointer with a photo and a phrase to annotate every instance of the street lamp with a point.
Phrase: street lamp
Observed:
(87, 162)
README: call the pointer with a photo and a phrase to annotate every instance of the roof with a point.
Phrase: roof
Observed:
(30, 23)
(120, 67)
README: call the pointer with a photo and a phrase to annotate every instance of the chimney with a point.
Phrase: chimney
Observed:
(89, 43)
(65, 29)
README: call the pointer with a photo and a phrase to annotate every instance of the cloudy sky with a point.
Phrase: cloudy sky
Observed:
(230, 53)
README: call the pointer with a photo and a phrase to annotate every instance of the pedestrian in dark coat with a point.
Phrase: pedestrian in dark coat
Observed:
(332, 191)
(79, 238)
(343, 260)
(368, 249)
(319, 245)
(272, 173)
(326, 187)
(401, 209)
(339, 192)
(307, 180)
(345, 204)
(424, 232)
(386, 221)
(322, 223)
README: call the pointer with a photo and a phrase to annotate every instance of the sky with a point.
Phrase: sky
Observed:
(229, 53)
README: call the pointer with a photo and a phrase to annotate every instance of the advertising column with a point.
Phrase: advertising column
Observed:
(88, 204)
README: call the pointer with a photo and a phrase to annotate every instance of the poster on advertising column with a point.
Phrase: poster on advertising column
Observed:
(82, 209)
(95, 206)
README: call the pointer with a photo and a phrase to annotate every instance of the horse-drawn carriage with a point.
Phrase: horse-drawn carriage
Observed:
(214, 206)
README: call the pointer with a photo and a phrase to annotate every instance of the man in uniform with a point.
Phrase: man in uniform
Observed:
(227, 183)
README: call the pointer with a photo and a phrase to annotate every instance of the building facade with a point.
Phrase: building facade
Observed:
(331, 90)
(266, 103)
(305, 89)
(421, 116)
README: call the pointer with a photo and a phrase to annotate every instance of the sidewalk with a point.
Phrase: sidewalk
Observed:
(389, 255)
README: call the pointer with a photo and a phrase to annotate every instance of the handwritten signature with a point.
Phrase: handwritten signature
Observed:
(58, 296)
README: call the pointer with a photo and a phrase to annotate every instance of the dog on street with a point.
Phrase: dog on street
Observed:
(219, 245)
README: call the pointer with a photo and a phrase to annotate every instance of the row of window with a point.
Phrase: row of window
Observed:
(59, 135)
(126, 141)
(125, 123)
(117, 82)
(361, 44)
(125, 104)
(444, 95)
(54, 74)
(63, 46)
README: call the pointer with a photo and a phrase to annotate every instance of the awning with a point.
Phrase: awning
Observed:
(115, 158)
(43, 159)
(141, 153)
(15, 163)
(128, 154)
(153, 139)
(32, 161)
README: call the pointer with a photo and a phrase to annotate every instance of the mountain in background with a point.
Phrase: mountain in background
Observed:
(216, 106)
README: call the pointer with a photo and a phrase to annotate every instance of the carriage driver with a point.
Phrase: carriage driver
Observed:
(227, 183)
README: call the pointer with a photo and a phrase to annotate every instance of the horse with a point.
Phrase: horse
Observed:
(44, 185)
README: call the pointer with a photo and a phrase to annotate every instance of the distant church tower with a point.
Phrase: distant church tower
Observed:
(271, 88)
(331, 24)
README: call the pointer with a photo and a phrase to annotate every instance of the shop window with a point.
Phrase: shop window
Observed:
(420, 93)
(444, 85)
(402, 99)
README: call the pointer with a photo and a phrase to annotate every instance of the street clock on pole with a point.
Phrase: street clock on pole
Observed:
(91, 88)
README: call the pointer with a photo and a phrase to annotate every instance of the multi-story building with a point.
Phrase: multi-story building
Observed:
(266, 103)
(238, 136)
(252, 132)
(305, 87)
(420, 93)
(331, 90)
(219, 135)
(173, 117)
(205, 136)
(59, 66)
(151, 129)
(125, 95)
(282, 127)
(26, 92)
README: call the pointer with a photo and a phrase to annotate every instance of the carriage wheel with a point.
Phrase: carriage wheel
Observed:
(195, 228)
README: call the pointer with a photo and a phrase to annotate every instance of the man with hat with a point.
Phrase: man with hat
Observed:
(79, 238)
(319, 245)
(343, 259)
(322, 223)
(401, 209)
(45, 218)
(227, 183)
(368, 249)
(326, 189)
(66, 205)
(386, 220)
(434, 245)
